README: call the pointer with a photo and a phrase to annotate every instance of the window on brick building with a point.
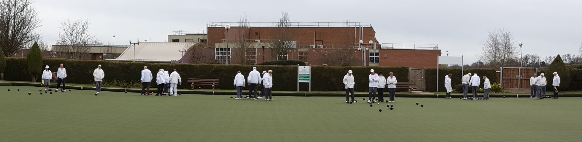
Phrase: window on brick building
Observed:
(251, 55)
(188, 40)
(303, 56)
(175, 40)
(374, 57)
(222, 55)
(281, 56)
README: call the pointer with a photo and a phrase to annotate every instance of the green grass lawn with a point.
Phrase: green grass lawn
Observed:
(114, 116)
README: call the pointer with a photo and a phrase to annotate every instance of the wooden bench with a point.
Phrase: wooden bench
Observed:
(203, 82)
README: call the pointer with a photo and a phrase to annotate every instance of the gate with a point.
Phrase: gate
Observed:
(417, 77)
(511, 79)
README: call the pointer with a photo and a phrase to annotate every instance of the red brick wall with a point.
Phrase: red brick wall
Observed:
(304, 36)
(409, 58)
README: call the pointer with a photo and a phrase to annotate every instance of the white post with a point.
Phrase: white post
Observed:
(310, 78)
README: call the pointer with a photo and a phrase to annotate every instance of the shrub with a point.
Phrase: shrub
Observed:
(34, 60)
(285, 63)
(496, 87)
(2, 62)
(481, 90)
(576, 75)
(458, 88)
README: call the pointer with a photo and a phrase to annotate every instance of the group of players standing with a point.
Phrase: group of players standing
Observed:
(255, 82)
(377, 83)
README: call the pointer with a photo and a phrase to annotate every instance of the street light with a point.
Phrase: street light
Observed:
(520, 54)
(521, 64)
(363, 53)
(227, 27)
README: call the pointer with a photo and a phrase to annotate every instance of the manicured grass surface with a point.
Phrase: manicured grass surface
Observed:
(114, 116)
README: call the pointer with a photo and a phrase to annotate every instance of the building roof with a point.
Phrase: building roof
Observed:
(155, 52)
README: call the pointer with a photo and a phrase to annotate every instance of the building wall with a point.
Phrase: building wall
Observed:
(188, 37)
(409, 58)
(329, 37)
(319, 57)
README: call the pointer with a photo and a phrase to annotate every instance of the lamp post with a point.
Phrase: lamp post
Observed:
(363, 52)
(227, 57)
(520, 54)
(521, 66)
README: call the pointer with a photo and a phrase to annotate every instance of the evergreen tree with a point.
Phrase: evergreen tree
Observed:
(34, 60)
(563, 71)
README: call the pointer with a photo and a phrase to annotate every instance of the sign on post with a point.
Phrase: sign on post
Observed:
(304, 76)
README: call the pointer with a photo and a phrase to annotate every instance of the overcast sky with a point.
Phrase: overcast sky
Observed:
(546, 27)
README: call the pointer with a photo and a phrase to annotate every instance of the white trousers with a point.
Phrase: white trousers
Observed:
(449, 88)
(174, 89)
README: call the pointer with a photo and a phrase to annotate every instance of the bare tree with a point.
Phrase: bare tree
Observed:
(243, 52)
(532, 60)
(75, 37)
(18, 20)
(341, 55)
(282, 43)
(202, 54)
(498, 49)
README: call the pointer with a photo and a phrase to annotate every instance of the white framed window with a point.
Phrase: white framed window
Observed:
(374, 57)
(222, 55)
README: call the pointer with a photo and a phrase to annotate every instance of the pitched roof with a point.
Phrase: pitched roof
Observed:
(155, 52)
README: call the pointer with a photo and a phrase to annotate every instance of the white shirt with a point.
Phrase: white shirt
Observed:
(47, 74)
(61, 73)
(160, 78)
(239, 80)
(98, 74)
(535, 80)
(466, 79)
(391, 81)
(447, 80)
(167, 75)
(487, 84)
(556, 81)
(532, 81)
(543, 81)
(254, 77)
(373, 80)
(475, 80)
(146, 75)
(349, 81)
(539, 81)
(175, 78)
(268, 81)
(381, 81)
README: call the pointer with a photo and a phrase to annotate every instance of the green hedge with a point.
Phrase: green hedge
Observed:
(430, 77)
(575, 83)
(2, 61)
(285, 63)
(284, 77)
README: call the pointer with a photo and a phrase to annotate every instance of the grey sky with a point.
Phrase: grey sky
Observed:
(458, 26)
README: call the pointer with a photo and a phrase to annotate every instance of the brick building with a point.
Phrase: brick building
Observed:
(319, 43)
